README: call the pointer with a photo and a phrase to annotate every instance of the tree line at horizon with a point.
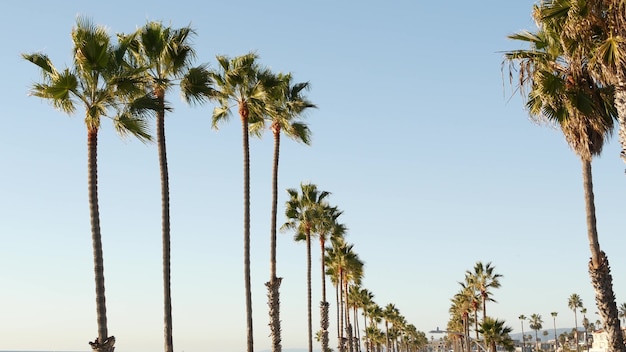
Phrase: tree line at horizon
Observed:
(128, 82)
(572, 75)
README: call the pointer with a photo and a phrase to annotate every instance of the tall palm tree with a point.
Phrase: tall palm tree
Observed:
(535, 323)
(522, 318)
(287, 104)
(496, 334)
(100, 80)
(574, 302)
(166, 54)
(241, 81)
(303, 210)
(482, 279)
(556, 341)
(563, 92)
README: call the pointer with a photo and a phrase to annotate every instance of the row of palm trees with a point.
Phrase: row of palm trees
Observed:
(310, 216)
(573, 76)
(127, 82)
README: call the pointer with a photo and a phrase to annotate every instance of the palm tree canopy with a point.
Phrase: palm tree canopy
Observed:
(303, 210)
(243, 82)
(496, 333)
(99, 79)
(560, 88)
(289, 103)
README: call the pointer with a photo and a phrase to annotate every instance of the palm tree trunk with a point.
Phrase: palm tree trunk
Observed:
(243, 112)
(165, 223)
(600, 271)
(308, 290)
(274, 284)
(338, 303)
(324, 304)
(103, 342)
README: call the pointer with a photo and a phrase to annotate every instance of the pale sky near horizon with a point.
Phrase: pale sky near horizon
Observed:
(417, 136)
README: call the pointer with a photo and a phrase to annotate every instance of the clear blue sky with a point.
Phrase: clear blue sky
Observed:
(416, 136)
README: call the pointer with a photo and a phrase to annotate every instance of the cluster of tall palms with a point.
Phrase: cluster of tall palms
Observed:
(309, 215)
(471, 299)
(572, 76)
(127, 82)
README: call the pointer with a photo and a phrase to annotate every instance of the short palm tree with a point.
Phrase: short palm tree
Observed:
(303, 211)
(166, 55)
(495, 333)
(562, 91)
(535, 323)
(287, 105)
(99, 80)
(241, 81)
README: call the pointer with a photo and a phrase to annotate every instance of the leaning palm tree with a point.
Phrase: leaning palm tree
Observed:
(496, 334)
(166, 54)
(242, 82)
(303, 209)
(287, 105)
(535, 323)
(100, 80)
(563, 92)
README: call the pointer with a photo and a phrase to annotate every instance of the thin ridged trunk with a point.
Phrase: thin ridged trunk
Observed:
(338, 303)
(165, 222)
(347, 316)
(274, 284)
(103, 342)
(243, 113)
(324, 305)
(342, 346)
(308, 289)
(600, 271)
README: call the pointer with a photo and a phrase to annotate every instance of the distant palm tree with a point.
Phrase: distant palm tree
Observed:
(522, 318)
(622, 312)
(99, 79)
(495, 333)
(535, 323)
(303, 210)
(574, 302)
(556, 341)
